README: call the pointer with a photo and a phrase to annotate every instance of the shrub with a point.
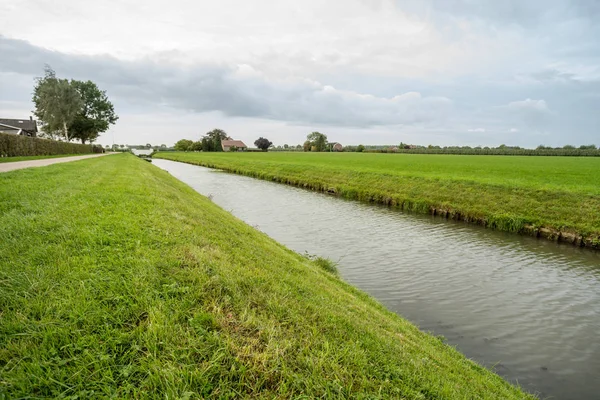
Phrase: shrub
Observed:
(17, 145)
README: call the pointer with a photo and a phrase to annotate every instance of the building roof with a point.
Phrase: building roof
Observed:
(229, 143)
(25, 124)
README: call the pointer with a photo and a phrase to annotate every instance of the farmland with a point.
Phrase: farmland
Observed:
(117, 280)
(555, 197)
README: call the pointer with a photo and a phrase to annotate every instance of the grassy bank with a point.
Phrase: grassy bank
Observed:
(118, 280)
(28, 158)
(553, 197)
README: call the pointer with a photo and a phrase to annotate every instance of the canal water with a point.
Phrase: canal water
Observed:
(527, 308)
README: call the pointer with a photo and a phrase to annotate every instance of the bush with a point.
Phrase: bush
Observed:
(17, 145)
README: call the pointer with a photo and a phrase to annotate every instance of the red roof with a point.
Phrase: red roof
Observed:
(229, 143)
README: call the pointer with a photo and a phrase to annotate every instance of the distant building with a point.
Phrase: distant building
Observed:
(229, 143)
(25, 127)
(142, 152)
(337, 147)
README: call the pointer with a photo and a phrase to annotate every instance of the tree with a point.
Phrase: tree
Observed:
(306, 146)
(360, 148)
(163, 146)
(285, 146)
(183, 145)
(207, 144)
(96, 115)
(57, 103)
(317, 140)
(216, 136)
(196, 146)
(148, 145)
(263, 143)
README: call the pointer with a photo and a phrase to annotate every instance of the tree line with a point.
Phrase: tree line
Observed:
(211, 141)
(71, 109)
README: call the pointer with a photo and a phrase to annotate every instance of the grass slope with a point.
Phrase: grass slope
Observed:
(27, 158)
(117, 280)
(555, 197)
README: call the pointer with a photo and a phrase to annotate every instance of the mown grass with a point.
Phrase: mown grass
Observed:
(27, 158)
(117, 280)
(556, 197)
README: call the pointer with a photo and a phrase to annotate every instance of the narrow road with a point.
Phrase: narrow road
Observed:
(11, 166)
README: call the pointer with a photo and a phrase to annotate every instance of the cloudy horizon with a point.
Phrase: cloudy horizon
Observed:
(371, 72)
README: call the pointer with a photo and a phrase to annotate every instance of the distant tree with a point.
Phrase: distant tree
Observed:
(588, 147)
(163, 146)
(568, 147)
(122, 146)
(233, 148)
(148, 145)
(360, 148)
(207, 144)
(196, 146)
(96, 115)
(216, 136)
(298, 146)
(57, 103)
(263, 143)
(285, 146)
(317, 140)
(183, 145)
(307, 146)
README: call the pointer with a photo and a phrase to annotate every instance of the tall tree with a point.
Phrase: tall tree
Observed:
(57, 103)
(207, 144)
(318, 140)
(215, 136)
(96, 115)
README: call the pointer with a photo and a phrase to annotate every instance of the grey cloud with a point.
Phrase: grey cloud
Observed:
(235, 91)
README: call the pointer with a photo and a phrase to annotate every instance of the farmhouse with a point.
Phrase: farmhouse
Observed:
(337, 147)
(229, 143)
(26, 127)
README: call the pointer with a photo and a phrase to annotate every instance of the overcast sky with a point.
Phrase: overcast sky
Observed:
(464, 72)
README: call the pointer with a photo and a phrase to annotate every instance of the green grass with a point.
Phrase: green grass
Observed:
(555, 197)
(27, 158)
(117, 280)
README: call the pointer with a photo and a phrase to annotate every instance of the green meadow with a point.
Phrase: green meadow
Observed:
(119, 281)
(555, 197)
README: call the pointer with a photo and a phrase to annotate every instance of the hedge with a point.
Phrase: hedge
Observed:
(18, 145)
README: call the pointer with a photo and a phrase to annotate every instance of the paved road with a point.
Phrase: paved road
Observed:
(11, 166)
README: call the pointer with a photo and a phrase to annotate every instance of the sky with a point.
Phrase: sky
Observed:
(442, 72)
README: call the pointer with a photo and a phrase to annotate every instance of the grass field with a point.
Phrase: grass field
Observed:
(27, 158)
(556, 197)
(117, 280)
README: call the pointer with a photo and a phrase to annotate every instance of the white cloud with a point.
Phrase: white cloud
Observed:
(529, 105)
(476, 130)
(513, 130)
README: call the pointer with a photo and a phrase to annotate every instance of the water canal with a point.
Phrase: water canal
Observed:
(528, 308)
